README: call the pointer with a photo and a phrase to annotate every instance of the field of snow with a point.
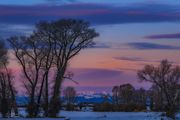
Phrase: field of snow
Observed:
(103, 116)
(111, 115)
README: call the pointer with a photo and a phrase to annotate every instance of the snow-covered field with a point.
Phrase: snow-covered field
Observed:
(103, 116)
(111, 115)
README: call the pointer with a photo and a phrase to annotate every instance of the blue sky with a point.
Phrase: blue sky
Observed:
(123, 2)
(132, 33)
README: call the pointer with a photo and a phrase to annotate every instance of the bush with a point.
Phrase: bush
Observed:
(31, 110)
(127, 107)
(70, 107)
(4, 107)
(131, 107)
(104, 107)
(54, 108)
(107, 107)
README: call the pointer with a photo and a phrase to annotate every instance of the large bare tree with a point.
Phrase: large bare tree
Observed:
(50, 48)
(30, 54)
(166, 77)
(43, 33)
(69, 38)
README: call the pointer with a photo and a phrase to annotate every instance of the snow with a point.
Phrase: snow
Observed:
(112, 115)
(80, 115)
(75, 115)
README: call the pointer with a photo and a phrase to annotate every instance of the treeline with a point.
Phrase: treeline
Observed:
(164, 94)
(125, 98)
(43, 58)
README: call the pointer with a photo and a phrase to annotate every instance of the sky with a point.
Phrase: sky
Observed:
(133, 33)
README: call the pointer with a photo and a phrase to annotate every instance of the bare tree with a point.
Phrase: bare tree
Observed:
(29, 52)
(69, 38)
(115, 96)
(4, 94)
(3, 54)
(166, 77)
(69, 96)
(126, 93)
(44, 34)
(7, 90)
(140, 96)
(158, 98)
(7, 93)
(50, 47)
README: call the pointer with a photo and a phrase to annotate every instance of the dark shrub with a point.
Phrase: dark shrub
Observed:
(70, 107)
(4, 107)
(31, 110)
(103, 107)
(131, 107)
(107, 107)
(54, 108)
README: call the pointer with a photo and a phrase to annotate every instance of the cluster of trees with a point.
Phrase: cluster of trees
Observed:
(126, 94)
(126, 98)
(165, 79)
(44, 57)
(164, 94)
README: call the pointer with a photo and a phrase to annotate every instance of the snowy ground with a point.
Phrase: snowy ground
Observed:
(111, 115)
(103, 116)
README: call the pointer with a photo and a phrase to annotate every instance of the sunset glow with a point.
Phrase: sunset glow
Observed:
(132, 34)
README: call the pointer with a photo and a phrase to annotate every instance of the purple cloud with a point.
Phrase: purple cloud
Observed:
(93, 73)
(95, 13)
(129, 58)
(45, 10)
(164, 36)
(136, 59)
(151, 46)
(95, 76)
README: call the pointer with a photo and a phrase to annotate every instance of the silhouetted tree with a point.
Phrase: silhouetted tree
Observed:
(158, 98)
(7, 90)
(69, 97)
(166, 77)
(50, 47)
(140, 96)
(126, 93)
(7, 93)
(43, 33)
(115, 95)
(30, 54)
(70, 37)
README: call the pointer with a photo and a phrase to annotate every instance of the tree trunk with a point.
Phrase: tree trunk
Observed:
(46, 97)
(55, 100)
(32, 106)
(171, 112)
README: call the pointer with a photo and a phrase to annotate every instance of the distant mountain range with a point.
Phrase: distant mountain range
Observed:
(81, 98)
